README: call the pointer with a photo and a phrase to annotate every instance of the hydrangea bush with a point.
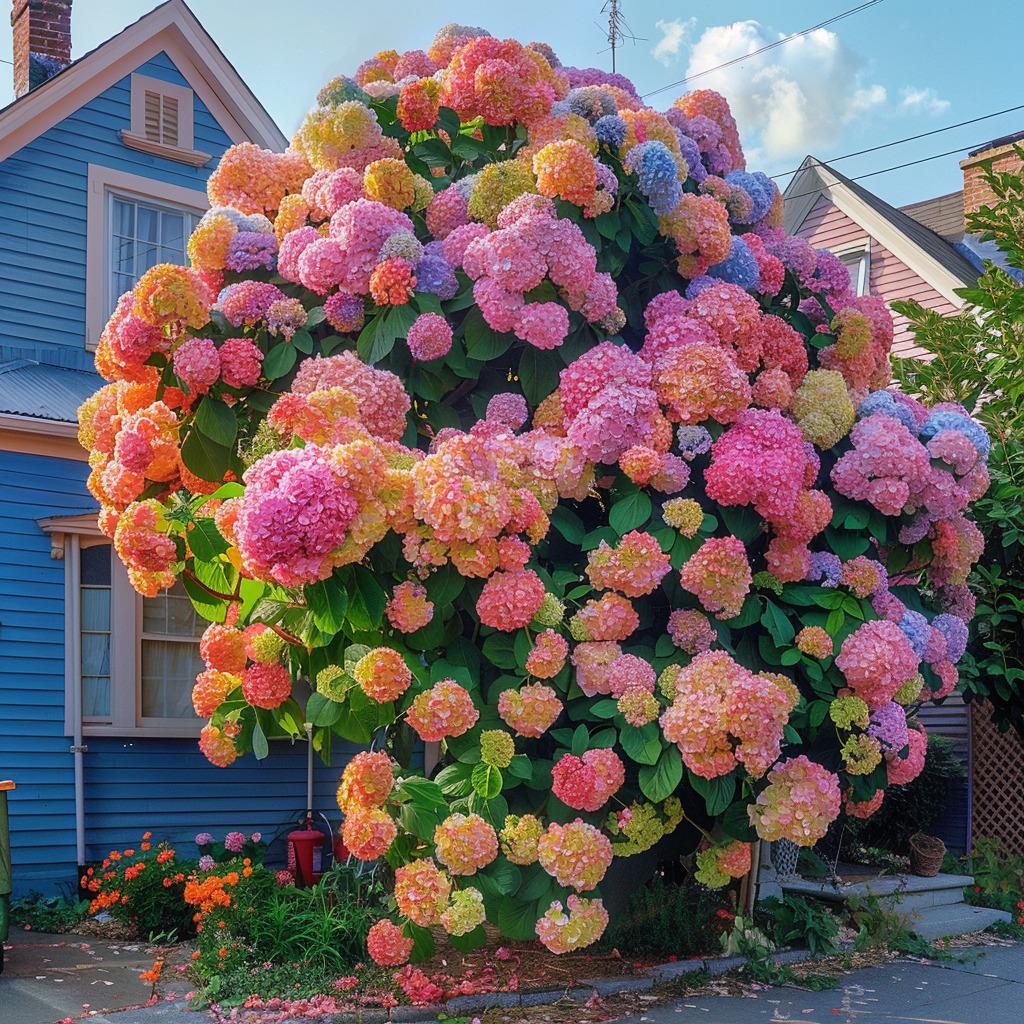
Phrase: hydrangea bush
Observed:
(499, 413)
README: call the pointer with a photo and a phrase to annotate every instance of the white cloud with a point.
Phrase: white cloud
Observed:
(673, 33)
(792, 100)
(922, 101)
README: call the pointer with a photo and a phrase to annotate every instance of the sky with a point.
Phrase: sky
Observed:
(895, 69)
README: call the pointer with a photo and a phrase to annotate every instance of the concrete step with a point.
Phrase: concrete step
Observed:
(913, 894)
(956, 919)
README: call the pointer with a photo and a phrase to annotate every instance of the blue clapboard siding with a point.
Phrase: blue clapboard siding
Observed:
(43, 192)
(33, 747)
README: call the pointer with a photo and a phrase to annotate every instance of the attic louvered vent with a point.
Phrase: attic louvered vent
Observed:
(161, 119)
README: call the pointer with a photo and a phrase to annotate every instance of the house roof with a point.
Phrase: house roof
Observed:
(944, 215)
(171, 27)
(930, 256)
(39, 391)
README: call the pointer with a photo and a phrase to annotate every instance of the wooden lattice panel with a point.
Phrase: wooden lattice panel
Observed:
(997, 781)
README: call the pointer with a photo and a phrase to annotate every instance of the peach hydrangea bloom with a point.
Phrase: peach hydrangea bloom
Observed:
(800, 802)
(583, 925)
(446, 709)
(422, 891)
(465, 843)
(576, 855)
(531, 710)
(387, 945)
(382, 674)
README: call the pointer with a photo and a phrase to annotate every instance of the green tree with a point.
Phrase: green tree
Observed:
(977, 359)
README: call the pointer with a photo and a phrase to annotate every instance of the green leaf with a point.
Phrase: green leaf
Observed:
(487, 780)
(482, 342)
(629, 512)
(455, 781)
(538, 374)
(323, 711)
(216, 421)
(476, 939)
(735, 823)
(661, 780)
(517, 920)
(328, 601)
(643, 745)
(205, 457)
(818, 712)
(205, 540)
(835, 621)
(521, 767)
(568, 524)
(422, 942)
(279, 361)
(718, 793)
(776, 621)
(366, 600)
(260, 747)
(580, 740)
(499, 650)
(605, 709)
(742, 522)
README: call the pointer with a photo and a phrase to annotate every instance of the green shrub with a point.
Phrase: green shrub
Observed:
(54, 914)
(666, 919)
(915, 806)
(998, 878)
(795, 921)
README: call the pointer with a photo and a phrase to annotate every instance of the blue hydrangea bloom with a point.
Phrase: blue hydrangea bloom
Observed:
(739, 267)
(884, 402)
(915, 628)
(759, 187)
(591, 102)
(610, 130)
(657, 174)
(971, 429)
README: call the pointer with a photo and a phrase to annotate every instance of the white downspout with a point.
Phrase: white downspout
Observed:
(308, 726)
(73, 610)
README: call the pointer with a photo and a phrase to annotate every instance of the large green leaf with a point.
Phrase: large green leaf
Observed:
(366, 600)
(208, 459)
(643, 745)
(279, 361)
(718, 793)
(328, 601)
(487, 780)
(216, 421)
(631, 511)
(661, 780)
(538, 374)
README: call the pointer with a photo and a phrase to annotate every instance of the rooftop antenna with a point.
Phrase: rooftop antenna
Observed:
(618, 30)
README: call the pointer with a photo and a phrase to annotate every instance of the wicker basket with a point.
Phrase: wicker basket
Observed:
(926, 853)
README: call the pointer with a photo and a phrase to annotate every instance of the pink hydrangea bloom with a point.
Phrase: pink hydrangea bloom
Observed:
(800, 802)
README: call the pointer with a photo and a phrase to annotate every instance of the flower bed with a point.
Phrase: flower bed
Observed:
(499, 413)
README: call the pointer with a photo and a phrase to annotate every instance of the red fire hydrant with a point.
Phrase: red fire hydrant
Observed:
(304, 843)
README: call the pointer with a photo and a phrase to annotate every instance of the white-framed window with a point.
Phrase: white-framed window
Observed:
(130, 661)
(857, 258)
(143, 234)
(162, 121)
(133, 224)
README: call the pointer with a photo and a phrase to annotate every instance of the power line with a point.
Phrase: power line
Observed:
(764, 49)
(909, 138)
(885, 170)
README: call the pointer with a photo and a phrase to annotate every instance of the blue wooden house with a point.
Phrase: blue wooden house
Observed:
(103, 164)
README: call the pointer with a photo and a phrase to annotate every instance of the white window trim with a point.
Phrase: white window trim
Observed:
(125, 644)
(135, 136)
(860, 247)
(102, 182)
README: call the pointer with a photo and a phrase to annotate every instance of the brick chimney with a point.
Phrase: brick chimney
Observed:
(42, 41)
(1003, 157)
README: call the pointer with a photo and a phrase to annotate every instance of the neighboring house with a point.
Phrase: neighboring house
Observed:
(920, 252)
(103, 165)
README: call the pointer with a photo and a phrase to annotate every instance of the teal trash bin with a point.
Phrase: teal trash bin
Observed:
(5, 868)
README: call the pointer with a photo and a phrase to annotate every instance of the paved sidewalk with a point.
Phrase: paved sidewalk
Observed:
(987, 989)
(49, 979)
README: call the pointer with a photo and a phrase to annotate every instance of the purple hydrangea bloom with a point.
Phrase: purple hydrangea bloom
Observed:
(433, 274)
(826, 567)
(699, 284)
(885, 403)
(579, 77)
(888, 725)
(693, 441)
(204, 839)
(206, 863)
(251, 250)
(832, 273)
(691, 154)
(955, 631)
